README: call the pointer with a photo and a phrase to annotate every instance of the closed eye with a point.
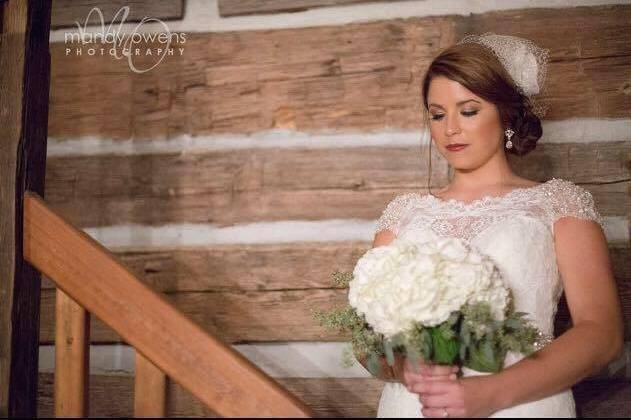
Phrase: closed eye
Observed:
(438, 117)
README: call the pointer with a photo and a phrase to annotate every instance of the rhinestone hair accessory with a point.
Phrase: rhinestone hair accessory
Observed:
(524, 61)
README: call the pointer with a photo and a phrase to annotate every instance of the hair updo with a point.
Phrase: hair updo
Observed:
(477, 69)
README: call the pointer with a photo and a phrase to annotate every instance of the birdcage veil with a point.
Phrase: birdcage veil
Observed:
(523, 60)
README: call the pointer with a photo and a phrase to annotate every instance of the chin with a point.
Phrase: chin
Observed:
(463, 164)
(468, 162)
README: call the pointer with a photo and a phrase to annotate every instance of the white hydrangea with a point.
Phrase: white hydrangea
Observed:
(405, 282)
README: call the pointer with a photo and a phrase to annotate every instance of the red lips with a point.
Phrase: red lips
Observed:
(455, 147)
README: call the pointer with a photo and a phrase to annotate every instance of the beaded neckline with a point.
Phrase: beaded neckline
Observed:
(487, 199)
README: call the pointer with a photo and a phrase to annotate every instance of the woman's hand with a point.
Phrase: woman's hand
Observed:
(465, 397)
(403, 371)
(427, 372)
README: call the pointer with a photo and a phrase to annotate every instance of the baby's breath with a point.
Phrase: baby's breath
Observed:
(365, 342)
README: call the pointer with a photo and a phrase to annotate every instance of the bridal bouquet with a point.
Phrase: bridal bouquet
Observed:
(438, 300)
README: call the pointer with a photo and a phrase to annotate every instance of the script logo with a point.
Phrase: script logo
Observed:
(152, 46)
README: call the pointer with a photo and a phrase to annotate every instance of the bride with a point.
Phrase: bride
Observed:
(545, 238)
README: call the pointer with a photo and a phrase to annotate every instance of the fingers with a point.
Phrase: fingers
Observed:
(410, 384)
(429, 372)
(428, 369)
(436, 400)
(450, 377)
(440, 412)
(430, 387)
(438, 370)
(419, 378)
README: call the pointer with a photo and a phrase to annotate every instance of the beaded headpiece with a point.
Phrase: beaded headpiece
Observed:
(524, 61)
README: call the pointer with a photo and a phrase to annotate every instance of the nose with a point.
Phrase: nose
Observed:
(452, 127)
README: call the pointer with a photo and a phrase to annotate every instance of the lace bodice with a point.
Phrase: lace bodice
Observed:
(546, 202)
(516, 231)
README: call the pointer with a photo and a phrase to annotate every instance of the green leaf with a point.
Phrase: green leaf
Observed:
(463, 351)
(387, 349)
(426, 346)
(513, 323)
(465, 334)
(373, 364)
(483, 358)
(446, 331)
(487, 349)
(445, 350)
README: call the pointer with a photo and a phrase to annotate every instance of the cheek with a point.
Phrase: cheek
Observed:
(481, 125)
(483, 131)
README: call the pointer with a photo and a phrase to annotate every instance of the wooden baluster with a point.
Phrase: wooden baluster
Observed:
(149, 390)
(72, 357)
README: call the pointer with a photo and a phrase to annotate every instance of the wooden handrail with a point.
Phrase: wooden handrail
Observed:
(217, 375)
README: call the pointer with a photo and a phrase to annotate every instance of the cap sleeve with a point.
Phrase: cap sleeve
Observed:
(394, 211)
(571, 200)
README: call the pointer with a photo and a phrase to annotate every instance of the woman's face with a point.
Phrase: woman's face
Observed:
(458, 116)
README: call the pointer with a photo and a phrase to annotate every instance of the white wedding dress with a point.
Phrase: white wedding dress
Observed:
(516, 231)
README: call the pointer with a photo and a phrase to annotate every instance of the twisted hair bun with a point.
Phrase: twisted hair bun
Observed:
(527, 128)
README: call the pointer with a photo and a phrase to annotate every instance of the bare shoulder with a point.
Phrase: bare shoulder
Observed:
(383, 237)
(580, 239)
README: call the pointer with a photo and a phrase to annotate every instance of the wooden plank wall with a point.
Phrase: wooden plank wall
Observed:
(65, 13)
(252, 7)
(335, 397)
(361, 77)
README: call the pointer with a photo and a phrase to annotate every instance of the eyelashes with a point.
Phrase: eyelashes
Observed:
(439, 117)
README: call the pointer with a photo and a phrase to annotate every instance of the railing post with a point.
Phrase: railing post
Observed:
(149, 389)
(72, 357)
(24, 78)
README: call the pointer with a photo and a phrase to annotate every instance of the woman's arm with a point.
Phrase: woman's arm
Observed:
(596, 337)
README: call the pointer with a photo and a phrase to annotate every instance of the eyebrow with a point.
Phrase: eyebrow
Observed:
(458, 103)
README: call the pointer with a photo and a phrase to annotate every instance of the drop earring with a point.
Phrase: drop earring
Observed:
(509, 133)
